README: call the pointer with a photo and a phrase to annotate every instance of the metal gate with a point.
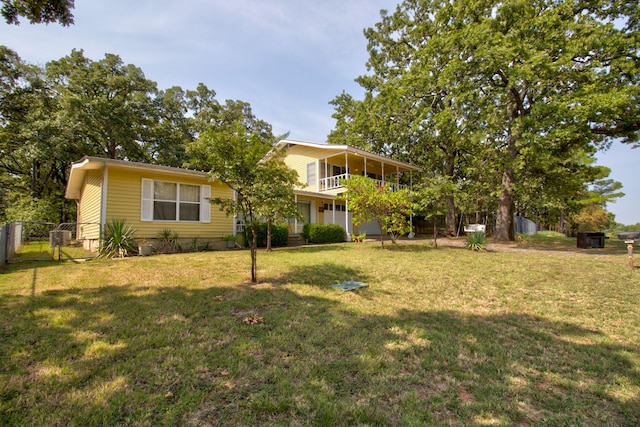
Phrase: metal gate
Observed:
(47, 241)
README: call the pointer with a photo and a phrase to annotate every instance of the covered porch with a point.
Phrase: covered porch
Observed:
(327, 209)
(336, 167)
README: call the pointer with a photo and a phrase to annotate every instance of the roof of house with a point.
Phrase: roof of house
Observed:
(346, 148)
(87, 163)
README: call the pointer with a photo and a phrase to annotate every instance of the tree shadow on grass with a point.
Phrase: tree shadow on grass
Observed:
(126, 355)
(321, 275)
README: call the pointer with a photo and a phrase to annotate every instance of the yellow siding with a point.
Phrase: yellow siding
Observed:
(124, 201)
(89, 207)
(298, 157)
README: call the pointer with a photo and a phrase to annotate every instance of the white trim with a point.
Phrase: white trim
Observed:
(335, 147)
(146, 200)
(205, 204)
(295, 220)
(103, 197)
(312, 211)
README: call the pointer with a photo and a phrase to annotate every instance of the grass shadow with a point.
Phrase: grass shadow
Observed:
(320, 275)
(137, 355)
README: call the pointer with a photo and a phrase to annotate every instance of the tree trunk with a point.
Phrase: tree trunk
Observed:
(449, 201)
(435, 233)
(504, 219)
(505, 231)
(381, 235)
(450, 217)
(254, 250)
(269, 234)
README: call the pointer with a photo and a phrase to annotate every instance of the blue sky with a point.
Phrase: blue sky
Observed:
(287, 58)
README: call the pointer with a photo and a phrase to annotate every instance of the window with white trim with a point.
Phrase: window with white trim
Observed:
(174, 201)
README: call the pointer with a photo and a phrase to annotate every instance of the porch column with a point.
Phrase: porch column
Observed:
(326, 172)
(346, 163)
(398, 176)
(346, 217)
(383, 180)
(333, 212)
(365, 166)
(295, 220)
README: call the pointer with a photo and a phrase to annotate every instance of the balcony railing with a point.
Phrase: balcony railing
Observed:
(333, 182)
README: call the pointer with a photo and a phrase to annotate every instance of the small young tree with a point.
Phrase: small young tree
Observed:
(273, 192)
(234, 151)
(431, 199)
(370, 201)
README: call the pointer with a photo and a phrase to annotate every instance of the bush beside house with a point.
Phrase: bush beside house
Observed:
(323, 233)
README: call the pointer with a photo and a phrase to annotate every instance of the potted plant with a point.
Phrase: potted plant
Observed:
(231, 240)
(144, 248)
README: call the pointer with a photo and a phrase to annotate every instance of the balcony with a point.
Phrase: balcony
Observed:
(333, 182)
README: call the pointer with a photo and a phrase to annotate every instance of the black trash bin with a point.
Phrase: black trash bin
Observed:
(590, 239)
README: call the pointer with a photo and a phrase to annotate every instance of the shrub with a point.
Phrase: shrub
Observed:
(476, 241)
(118, 240)
(323, 233)
(169, 241)
(359, 238)
(279, 235)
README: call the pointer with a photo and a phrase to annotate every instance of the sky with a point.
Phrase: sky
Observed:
(287, 58)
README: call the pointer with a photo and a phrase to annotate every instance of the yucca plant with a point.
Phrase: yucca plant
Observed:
(477, 241)
(118, 241)
(169, 241)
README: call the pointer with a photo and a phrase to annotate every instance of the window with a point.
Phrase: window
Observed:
(172, 201)
(311, 173)
(339, 170)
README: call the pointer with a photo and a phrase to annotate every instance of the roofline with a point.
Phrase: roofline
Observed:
(79, 169)
(348, 148)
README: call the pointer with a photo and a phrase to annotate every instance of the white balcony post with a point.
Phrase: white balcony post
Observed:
(333, 215)
(295, 220)
(346, 217)
(326, 173)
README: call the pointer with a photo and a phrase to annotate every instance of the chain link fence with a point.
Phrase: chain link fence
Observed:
(47, 241)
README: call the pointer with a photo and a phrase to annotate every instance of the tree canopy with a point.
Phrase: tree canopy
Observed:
(508, 99)
(38, 11)
(234, 149)
(370, 201)
(55, 114)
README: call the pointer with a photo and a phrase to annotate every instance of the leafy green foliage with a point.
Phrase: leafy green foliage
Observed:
(26, 208)
(369, 201)
(592, 218)
(476, 241)
(118, 240)
(38, 11)
(503, 97)
(234, 151)
(323, 233)
(169, 241)
(279, 234)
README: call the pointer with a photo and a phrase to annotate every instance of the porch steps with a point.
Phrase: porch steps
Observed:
(295, 240)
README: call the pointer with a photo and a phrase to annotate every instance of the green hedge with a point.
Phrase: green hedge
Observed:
(323, 233)
(279, 235)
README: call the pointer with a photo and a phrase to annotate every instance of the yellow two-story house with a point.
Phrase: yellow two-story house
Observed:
(321, 167)
(153, 198)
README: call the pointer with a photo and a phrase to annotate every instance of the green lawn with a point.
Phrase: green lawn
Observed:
(41, 250)
(512, 336)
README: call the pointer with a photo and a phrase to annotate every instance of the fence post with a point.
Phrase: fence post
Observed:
(4, 243)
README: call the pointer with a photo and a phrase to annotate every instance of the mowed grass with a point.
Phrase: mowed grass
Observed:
(511, 336)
